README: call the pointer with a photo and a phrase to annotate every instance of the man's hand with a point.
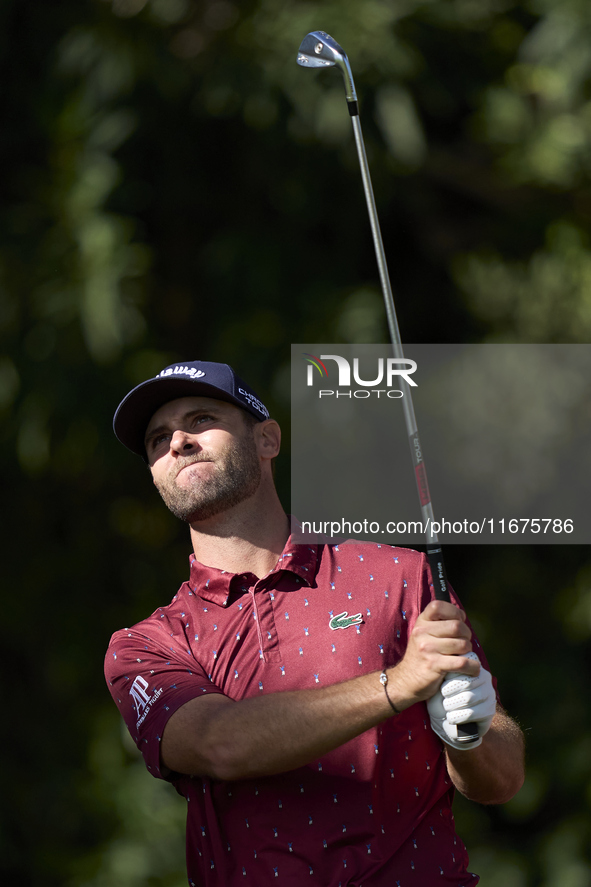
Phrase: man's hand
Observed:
(439, 644)
(460, 699)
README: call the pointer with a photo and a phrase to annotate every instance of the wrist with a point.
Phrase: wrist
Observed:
(384, 682)
(395, 690)
(398, 688)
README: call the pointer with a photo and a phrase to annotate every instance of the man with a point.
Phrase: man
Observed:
(295, 694)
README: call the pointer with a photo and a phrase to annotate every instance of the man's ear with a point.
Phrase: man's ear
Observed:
(268, 437)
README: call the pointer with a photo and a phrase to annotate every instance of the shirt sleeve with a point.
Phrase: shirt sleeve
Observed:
(149, 681)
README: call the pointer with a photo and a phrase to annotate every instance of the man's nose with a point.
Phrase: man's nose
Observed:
(182, 442)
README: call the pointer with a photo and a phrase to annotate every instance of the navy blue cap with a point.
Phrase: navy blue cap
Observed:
(193, 379)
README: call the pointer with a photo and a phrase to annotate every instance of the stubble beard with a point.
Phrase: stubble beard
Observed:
(236, 477)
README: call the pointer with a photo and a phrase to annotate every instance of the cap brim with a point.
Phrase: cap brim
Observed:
(135, 411)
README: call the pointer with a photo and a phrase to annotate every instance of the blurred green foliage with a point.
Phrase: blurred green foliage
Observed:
(174, 186)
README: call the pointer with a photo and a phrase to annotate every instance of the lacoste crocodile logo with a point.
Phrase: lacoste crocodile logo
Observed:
(343, 620)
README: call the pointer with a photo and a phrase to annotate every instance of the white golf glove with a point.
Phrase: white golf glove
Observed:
(462, 698)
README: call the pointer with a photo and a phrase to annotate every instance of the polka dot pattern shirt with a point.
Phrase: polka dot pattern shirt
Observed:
(375, 812)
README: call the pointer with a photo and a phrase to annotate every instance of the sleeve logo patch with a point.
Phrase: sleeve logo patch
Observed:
(343, 620)
(143, 702)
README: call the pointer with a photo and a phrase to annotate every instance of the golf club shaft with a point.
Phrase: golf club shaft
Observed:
(318, 49)
(466, 732)
(433, 549)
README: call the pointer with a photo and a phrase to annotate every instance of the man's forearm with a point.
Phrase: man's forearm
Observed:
(273, 733)
(268, 734)
(494, 772)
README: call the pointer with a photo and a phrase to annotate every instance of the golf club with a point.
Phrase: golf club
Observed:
(319, 50)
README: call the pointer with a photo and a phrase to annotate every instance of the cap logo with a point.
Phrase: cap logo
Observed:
(182, 371)
(254, 402)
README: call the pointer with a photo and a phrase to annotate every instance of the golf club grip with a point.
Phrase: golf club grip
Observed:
(466, 732)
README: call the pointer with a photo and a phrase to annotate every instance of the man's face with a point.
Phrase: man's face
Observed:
(203, 456)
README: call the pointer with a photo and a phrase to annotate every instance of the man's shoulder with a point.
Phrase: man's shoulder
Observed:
(375, 552)
(358, 562)
(155, 627)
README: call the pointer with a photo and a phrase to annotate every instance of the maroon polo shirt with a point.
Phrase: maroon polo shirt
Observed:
(374, 812)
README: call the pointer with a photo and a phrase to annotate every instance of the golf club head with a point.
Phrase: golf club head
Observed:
(319, 50)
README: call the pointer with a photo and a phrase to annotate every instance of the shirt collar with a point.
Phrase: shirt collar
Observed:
(216, 585)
